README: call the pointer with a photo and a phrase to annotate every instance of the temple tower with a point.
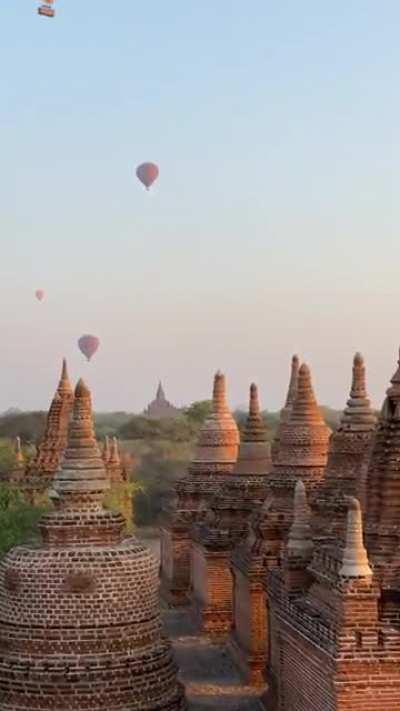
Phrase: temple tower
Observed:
(214, 459)
(330, 649)
(348, 458)
(214, 539)
(50, 450)
(302, 455)
(382, 515)
(80, 623)
(160, 407)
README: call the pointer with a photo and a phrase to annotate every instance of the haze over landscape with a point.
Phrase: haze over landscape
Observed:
(272, 229)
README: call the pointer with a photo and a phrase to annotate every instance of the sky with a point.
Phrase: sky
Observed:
(273, 227)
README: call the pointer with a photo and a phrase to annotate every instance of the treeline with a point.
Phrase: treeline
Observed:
(29, 426)
(160, 450)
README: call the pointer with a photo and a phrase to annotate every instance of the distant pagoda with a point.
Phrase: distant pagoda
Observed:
(80, 623)
(160, 407)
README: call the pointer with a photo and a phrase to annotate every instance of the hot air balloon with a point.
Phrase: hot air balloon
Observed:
(147, 174)
(39, 293)
(88, 345)
(46, 9)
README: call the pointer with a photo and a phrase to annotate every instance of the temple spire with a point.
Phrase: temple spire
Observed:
(64, 385)
(82, 479)
(394, 391)
(160, 392)
(355, 562)
(300, 537)
(254, 450)
(358, 414)
(114, 452)
(19, 457)
(294, 375)
(106, 450)
(305, 407)
(219, 394)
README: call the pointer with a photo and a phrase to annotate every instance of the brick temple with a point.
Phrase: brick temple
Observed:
(215, 538)
(334, 604)
(160, 407)
(80, 622)
(215, 456)
(302, 454)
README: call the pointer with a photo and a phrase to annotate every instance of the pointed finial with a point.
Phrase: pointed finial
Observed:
(294, 374)
(355, 562)
(81, 389)
(254, 405)
(219, 393)
(394, 390)
(358, 415)
(160, 395)
(106, 449)
(300, 537)
(82, 479)
(254, 429)
(19, 457)
(114, 453)
(64, 384)
(305, 407)
(358, 387)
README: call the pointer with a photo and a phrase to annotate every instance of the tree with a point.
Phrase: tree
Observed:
(198, 411)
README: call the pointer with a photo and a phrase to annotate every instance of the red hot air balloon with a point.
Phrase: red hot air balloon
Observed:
(147, 174)
(39, 293)
(88, 345)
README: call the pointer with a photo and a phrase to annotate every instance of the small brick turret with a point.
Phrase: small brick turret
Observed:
(214, 459)
(348, 458)
(214, 540)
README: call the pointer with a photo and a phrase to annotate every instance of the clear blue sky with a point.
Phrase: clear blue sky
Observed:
(274, 226)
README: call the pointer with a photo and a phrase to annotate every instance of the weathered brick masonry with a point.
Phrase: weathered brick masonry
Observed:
(214, 460)
(79, 614)
(302, 454)
(230, 510)
(335, 611)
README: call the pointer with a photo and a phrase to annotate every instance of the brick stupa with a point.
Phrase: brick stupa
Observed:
(214, 540)
(302, 455)
(79, 614)
(348, 458)
(43, 466)
(215, 456)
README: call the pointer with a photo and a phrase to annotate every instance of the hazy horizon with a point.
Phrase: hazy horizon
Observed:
(273, 227)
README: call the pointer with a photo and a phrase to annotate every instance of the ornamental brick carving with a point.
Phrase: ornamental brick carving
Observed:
(81, 628)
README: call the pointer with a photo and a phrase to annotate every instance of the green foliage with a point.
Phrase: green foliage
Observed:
(120, 498)
(109, 423)
(198, 411)
(18, 520)
(7, 458)
(174, 429)
(27, 425)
